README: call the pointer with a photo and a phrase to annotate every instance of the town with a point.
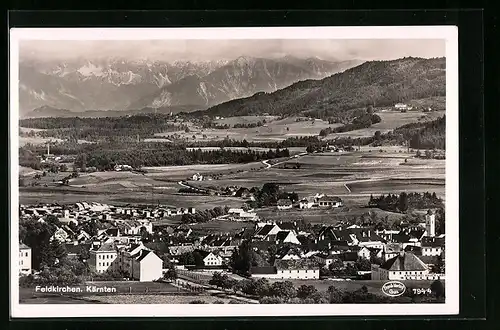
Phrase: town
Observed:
(255, 180)
(127, 243)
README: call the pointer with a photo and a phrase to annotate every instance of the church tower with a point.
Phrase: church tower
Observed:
(430, 223)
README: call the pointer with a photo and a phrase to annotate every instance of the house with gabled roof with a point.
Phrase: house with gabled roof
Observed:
(329, 201)
(266, 230)
(286, 236)
(307, 202)
(210, 259)
(284, 204)
(405, 266)
(60, 235)
(391, 250)
(182, 230)
(24, 259)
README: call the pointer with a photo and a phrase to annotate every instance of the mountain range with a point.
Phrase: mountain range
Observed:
(117, 84)
(377, 83)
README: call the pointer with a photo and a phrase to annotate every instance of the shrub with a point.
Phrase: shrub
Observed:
(271, 300)
(197, 302)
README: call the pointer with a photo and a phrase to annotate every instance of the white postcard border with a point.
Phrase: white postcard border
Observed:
(451, 305)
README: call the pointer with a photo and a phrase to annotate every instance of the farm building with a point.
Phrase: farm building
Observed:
(329, 201)
(284, 204)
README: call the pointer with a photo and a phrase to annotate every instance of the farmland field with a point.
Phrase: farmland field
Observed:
(274, 130)
(390, 121)
(353, 176)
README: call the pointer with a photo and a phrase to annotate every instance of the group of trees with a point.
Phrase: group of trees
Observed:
(245, 257)
(106, 159)
(424, 135)
(406, 201)
(338, 269)
(363, 121)
(37, 235)
(269, 195)
(285, 292)
(104, 128)
(250, 125)
(48, 255)
(205, 215)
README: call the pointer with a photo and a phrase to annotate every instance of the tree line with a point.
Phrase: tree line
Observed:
(360, 122)
(404, 201)
(99, 129)
(107, 159)
(205, 215)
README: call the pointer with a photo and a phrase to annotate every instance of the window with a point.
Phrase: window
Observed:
(26, 254)
(21, 262)
(99, 264)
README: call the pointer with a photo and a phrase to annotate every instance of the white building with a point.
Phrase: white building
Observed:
(144, 266)
(136, 260)
(103, 258)
(306, 203)
(24, 259)
(405, 266)
(432, 246)
(284, 204)
(329, 201)
(303, 269)
(210, 259)
(60, 235)
(197, 177)
(402, 106)
(430, 224)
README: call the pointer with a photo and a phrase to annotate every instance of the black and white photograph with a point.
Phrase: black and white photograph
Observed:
(310, 170)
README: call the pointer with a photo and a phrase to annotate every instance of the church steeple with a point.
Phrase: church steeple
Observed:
(430, 223)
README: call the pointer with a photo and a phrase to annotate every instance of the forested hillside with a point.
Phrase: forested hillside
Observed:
(377, 83)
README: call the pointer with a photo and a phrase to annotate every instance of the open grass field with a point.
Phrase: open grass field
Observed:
(352, 176)
(23, 140)
(374, 287)
(273, 130)
(231, 121)
(390, 121)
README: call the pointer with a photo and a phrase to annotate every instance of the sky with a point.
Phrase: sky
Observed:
(196, 50)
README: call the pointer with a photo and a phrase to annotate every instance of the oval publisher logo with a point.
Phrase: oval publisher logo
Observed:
(393, 288)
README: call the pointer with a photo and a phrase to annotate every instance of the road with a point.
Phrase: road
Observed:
(266, 162)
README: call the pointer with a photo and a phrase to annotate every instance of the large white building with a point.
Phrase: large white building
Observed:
(139, 262)
(103, 258)
(302, 269)
(24, 259)
(405, 266)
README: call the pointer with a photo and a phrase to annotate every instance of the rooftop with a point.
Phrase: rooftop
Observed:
(292, 264)
(406, 262)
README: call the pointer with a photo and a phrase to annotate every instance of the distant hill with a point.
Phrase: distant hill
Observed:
(379, 83)
(242, 77)
(121, 84)
(47, 111)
